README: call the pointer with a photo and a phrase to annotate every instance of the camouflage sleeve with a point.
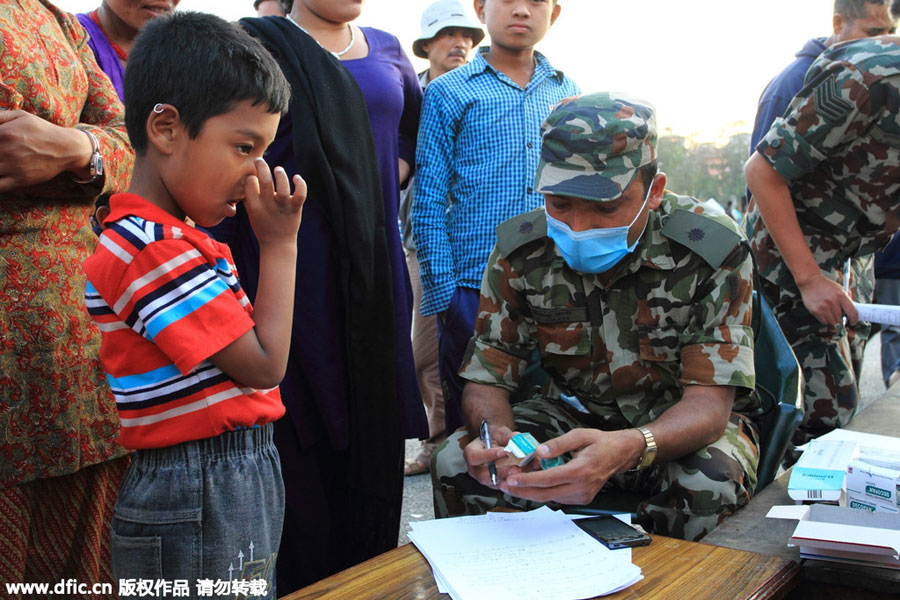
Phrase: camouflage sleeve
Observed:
(503, 340)
(832, 109)
(717, 349)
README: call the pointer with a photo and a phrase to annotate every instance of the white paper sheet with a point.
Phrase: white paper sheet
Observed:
(885, 314)
(536, 555)
(879, 450)
(790, 511)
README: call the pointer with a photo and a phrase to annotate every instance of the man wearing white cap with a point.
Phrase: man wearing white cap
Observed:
(448, 35)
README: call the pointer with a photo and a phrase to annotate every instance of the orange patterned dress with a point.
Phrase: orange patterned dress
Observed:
(57, 415)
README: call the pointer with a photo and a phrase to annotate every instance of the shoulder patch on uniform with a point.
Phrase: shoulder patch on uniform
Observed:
(704, 236)
(518, 231)
(829, 102)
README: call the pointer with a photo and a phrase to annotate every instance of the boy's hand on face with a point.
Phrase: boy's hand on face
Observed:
(273, 210)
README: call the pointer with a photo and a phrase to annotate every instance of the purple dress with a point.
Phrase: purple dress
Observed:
(394, 97)
(103, 51)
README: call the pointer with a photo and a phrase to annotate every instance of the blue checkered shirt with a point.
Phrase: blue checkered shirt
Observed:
(476, 157)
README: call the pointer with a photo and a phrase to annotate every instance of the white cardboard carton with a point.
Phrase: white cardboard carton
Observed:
(843, 534)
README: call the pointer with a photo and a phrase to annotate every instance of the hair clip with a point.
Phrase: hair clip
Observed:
(158, 108)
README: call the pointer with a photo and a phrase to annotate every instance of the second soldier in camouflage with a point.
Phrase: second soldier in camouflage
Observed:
(645, 325)
(826, 189)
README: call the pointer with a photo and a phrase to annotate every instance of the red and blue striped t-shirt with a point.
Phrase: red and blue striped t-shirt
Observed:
(166, 297)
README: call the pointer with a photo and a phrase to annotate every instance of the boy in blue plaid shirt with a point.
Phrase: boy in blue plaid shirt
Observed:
(478, 148)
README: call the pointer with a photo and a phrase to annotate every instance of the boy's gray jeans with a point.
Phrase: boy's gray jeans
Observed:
(204, 515)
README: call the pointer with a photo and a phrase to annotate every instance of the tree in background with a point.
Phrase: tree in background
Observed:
(705, 170)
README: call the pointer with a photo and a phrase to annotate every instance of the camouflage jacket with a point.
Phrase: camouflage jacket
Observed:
(839, 148)
(675, 312)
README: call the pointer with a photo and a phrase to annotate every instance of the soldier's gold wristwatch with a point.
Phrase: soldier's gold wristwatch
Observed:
(649, 453)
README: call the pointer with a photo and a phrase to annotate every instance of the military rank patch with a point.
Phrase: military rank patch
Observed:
(828, 101)
(701, 234)
(521, 229)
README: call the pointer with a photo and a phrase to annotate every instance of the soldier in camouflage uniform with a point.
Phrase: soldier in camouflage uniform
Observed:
(826, 188)
(648, 347)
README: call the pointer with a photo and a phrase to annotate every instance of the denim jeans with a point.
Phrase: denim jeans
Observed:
(887, 291)
(454, 333)
(207, 511)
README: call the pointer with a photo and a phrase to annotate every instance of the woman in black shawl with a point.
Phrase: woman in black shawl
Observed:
(341, 441)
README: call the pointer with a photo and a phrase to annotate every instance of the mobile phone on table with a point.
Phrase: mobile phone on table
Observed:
(613, 533)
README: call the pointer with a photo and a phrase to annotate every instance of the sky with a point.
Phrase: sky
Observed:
(702, 63)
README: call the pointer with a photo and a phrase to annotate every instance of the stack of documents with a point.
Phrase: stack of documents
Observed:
(539, 555)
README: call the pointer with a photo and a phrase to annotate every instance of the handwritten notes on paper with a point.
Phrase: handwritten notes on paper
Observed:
(539, 555)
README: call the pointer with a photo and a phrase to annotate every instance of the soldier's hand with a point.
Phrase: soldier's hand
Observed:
(827, 301)
(477, 457)
(596, 456)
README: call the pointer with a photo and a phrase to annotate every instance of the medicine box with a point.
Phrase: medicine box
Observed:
(819, 474)
(522, 447)
(872, 488)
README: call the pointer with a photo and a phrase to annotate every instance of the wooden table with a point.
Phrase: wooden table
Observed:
(673, 569)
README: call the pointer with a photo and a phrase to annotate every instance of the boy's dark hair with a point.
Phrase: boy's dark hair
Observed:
(203, 66)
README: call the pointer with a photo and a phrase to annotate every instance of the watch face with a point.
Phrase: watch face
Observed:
(96, 165)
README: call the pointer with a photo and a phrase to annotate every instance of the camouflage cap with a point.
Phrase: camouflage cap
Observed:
(593, 145)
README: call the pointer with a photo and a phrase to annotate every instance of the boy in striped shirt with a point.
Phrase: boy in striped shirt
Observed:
(193, 367)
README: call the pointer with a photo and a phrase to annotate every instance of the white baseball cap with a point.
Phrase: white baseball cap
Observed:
(440, 15)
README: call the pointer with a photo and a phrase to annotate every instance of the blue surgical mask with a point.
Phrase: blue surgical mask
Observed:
(594, 250)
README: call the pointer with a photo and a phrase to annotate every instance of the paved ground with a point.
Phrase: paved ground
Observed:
(418, 504)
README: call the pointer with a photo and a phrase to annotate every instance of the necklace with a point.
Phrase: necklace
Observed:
(336, 54)
(123, 56)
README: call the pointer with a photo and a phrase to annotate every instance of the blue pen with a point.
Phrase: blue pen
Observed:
(486, 440)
